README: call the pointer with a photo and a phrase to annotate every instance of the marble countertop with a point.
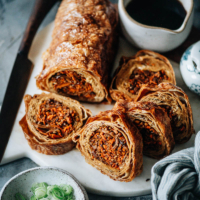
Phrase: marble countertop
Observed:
(14, 16)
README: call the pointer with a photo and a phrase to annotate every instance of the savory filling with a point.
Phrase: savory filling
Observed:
(71, 83)
(174, 121)
(109, 146)
(140, 77)
(151, 138)
(55, 120)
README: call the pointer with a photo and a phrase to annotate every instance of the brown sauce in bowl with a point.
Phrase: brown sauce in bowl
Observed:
(168, 14)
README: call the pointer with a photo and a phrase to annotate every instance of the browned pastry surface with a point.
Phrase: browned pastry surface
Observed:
(83, 46)
(110, 144)
(146, 67)
(50, 122)
(153, 124)
(175, 101)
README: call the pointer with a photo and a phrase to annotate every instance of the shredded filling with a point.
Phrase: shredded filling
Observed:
(150, 136)
(72, 84)
(174, 120)
(140, 77)
(109, 146)
(55, 120)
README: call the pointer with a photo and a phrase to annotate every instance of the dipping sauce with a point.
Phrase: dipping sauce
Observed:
(168, 14)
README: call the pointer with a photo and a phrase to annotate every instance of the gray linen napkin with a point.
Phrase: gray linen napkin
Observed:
(177, 177)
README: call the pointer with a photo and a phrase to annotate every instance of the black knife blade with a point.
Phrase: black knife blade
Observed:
(20, 73)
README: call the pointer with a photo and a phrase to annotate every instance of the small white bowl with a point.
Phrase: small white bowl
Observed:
(155, 38)
(23, 181)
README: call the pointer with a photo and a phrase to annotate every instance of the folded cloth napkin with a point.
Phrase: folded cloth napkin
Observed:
(177, 177)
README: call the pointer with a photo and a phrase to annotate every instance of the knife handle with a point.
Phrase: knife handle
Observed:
(41, 8)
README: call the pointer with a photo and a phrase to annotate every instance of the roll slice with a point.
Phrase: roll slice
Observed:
(82, 50)
(110, 144)
(175, 101)
(153, 124)
(50, 121)
(146, 67)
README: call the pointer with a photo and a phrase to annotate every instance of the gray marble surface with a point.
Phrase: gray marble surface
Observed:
(14, 16)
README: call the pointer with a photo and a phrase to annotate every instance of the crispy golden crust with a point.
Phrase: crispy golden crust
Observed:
(133, 164)
(156, 118)
(166, 94)
(83, 41)
(42, 143)
(143, 60)
(39, 146)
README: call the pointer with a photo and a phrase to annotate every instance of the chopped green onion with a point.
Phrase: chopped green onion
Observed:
(67, 189)
(40, 192)
(58, 194)
(19, 196)
(70, 197)
(36, 185)
(33, 198)
(50, 188)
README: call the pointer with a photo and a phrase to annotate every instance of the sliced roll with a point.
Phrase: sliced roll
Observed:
(146, 67)
(50, 121)
(80, 56)
(110, 144)
(153, 124)
(176, 103)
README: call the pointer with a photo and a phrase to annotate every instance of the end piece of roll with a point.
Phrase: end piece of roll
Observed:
(80, 56)
(50, 121)
(176, 103)
(146, 67)
(153, 124)
(110, 144)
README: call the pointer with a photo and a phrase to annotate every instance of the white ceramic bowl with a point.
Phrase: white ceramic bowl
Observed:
(155, 38)
(23, 181)
(190, 67)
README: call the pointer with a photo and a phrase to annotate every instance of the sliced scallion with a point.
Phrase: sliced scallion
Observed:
(67, 189)
(36, 185)
(33, 198)
(58, 194)
(70, 197)
(50, 188)
(41, 192)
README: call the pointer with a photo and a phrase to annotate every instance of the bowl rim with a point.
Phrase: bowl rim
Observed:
(179, 30)
(78, 184)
